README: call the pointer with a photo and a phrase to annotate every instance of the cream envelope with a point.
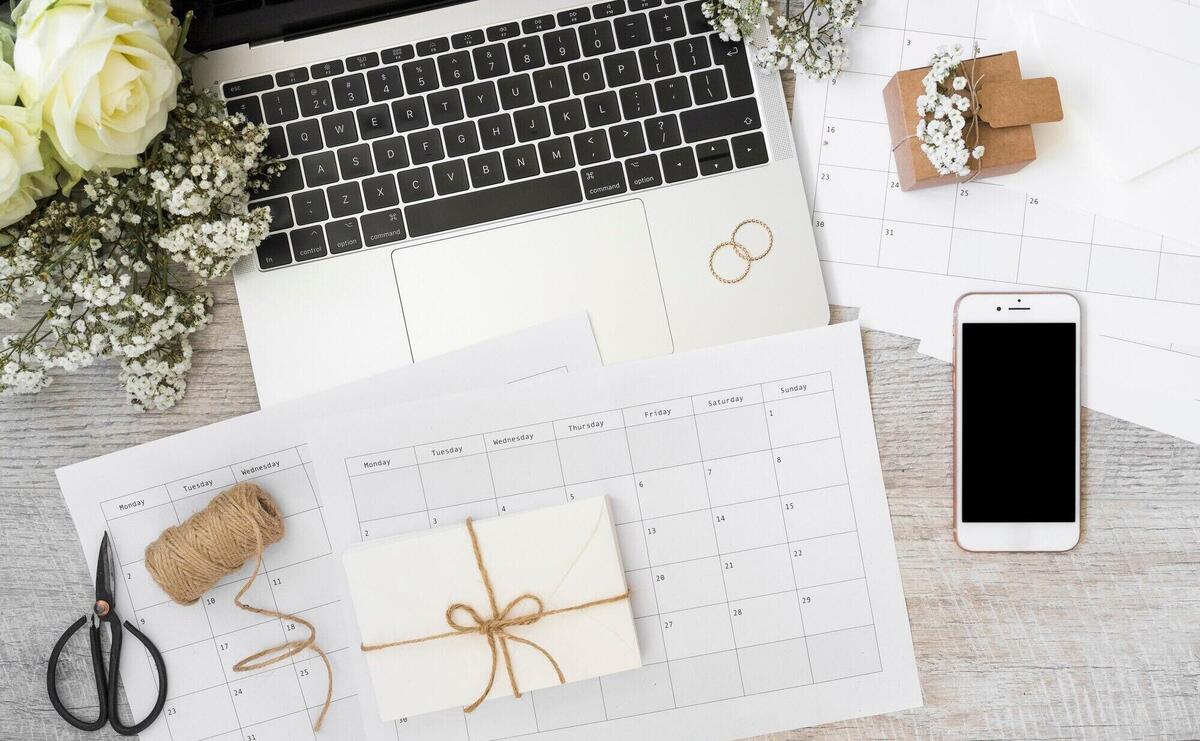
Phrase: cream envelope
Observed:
(565, 555)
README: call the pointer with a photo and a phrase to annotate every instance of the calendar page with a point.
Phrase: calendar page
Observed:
(749, 504)
(136, 493)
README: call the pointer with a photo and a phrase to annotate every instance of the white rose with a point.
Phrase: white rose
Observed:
(102, 73)
(23, 179)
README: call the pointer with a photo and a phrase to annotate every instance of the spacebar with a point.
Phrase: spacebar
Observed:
(492, 204)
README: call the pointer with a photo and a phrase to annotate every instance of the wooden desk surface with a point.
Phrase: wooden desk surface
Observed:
(1101, 642)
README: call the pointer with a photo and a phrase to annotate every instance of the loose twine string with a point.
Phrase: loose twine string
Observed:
(496, 628)
(188, 560)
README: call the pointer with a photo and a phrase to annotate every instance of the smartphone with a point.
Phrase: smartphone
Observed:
(1017, 362)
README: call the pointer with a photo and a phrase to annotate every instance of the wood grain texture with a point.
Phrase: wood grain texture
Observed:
(1101, 642)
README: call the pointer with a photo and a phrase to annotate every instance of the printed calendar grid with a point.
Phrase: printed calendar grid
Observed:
(300, 704)
(718, 647)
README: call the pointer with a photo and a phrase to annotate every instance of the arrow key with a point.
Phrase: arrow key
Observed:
(750, 149)
(678, 164)
(714, 157)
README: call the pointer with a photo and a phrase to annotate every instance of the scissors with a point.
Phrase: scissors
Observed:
(104, 611)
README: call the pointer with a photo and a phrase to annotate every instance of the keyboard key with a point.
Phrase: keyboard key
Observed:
(603, 180)
(632, 31)
(566, 116)
(493, 204)
(637, 102)
(515, 92)
(496, 131)
(550, 84)
(644, 4)
(714, 157)
(398, 54)
(731, 55)
(384, 83)
(390, 154)
(466, 38)
(561, 46)
(415, 184)
(247, 86)
(672, 94)
(709, 86)
(425, 147)
(355, 162)
(480, 99)
(433, 46)
(309, 207)
(281, 213)
(656, 61)
(749, 149)
(667, 24)
(643, 172)
(308, 244)
(627, 139)
(621, 69)
(490, 61)
(526, 54)
(486, 169)
(722, 119)
(597, 38)
(250, 108)
(693, 12)
(320, 169)
(586, 76)
(521, 162)
(315, 98)
(409, 114)
(531, 124)
(291, 76)
(366, 60)
(663, 132)
(382, 228)
(304, 136)
(461, 139)
(374, 121)
(445, 106)
(420, 76)
(350, 91)
(339, 129)
(277, 143)
(537, 25)
(609, 9)
(692, 54)
(455, 68)
(345, 199)
(602, 109)
(571, 17)
(678, 164)
(343, 236)
(380, 192)
(327, 69)
(556, 154)
(591, 147)
(503, 31)
(289, 179)
(274, 251)
(450, 177)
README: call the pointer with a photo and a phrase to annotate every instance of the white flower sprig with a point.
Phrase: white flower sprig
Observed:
(810, 41)
(943, 129)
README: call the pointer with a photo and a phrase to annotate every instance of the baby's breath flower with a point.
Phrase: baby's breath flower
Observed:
(943, 137)
(810, 42)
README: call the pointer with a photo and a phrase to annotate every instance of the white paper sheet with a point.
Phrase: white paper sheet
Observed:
(752, 520)
(138, 492)
(905, 257)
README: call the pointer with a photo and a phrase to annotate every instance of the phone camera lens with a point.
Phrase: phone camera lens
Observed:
(997, 308)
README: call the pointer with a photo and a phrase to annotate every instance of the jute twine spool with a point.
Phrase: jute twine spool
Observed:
(188, 560)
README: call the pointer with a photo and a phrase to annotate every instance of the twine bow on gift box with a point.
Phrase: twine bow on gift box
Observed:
(496, 628)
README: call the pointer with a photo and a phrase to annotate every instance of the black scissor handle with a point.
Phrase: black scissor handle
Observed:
(97, 669)
(114, 676)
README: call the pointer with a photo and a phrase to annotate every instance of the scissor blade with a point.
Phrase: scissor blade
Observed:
(104, 572)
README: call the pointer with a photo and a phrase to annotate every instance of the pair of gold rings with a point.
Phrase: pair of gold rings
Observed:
(740, 250)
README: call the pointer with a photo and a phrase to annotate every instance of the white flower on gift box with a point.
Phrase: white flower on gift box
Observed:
(943, 137)
(101, 72)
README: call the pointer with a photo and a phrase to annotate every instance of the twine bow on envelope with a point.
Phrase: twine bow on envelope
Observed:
(496, 628)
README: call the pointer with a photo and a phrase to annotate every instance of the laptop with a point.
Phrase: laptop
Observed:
(457, 170)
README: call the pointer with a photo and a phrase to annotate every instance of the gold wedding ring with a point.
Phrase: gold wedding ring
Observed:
(740, 250)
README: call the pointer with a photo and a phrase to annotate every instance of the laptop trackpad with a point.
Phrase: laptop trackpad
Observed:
(461, 290)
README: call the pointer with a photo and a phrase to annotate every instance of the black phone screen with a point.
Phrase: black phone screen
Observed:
(1019, 408)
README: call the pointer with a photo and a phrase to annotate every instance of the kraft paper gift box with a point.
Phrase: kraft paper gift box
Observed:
(566, 556)
(1008, 105)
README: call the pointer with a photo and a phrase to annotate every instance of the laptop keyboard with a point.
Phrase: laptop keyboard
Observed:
(497, 122)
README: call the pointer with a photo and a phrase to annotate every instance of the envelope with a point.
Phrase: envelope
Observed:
(1128, 146)
(565, 555)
